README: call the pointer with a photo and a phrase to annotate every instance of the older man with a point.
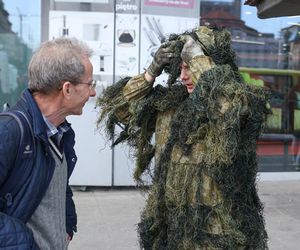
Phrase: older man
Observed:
(60, 83)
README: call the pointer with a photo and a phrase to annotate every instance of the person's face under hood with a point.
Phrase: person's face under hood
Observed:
(185, 76)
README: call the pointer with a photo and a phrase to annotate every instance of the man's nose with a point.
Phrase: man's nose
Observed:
(92, 92)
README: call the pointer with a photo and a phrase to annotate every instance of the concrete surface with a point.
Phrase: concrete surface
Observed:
(107, 218)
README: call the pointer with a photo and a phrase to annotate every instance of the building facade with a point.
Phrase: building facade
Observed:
(253, 48)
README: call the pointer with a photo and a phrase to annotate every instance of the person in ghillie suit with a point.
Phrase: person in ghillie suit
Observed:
(203, 193)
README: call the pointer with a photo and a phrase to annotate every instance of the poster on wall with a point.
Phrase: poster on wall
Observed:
(127, 44)
(171, 3)
(127, 37)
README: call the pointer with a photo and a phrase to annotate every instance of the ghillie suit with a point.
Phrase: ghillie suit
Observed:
(204, 193)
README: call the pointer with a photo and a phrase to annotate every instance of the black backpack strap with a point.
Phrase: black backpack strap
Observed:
(25, 150)
(28, 142)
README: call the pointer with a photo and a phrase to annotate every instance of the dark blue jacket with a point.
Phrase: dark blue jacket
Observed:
(39, 161)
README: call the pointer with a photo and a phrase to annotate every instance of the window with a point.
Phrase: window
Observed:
(19, 36)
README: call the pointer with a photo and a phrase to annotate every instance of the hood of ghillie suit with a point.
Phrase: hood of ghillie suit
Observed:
(215, 43)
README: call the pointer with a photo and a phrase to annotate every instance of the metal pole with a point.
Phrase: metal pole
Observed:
(21, 22)
(114, 80)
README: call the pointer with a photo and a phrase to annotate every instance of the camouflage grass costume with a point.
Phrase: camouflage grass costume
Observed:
(203, 194)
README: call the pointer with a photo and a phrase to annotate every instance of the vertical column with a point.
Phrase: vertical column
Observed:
(127, 43)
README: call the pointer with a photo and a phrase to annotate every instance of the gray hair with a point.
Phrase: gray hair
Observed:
(56, 61)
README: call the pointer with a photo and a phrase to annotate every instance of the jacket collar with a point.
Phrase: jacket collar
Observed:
(28, 104)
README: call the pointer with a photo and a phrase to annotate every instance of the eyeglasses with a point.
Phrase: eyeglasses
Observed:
(92, 84)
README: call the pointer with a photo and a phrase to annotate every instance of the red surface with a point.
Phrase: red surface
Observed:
(270, 148)
(267, 148)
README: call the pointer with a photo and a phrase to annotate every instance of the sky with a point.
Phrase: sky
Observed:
(30, 11)
(270, 25)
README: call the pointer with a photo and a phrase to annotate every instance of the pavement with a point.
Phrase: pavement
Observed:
(107, 217)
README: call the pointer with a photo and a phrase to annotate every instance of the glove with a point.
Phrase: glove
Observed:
(162, 58)
(190, 49)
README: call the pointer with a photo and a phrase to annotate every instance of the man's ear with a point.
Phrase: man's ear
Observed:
(67, 89)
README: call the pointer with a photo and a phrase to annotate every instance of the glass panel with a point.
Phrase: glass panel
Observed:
(277, 84)
(266, 48)
(19, 35)
(259, 43)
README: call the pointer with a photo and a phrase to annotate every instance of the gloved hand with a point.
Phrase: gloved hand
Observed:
(162, 58)
(190, 49)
